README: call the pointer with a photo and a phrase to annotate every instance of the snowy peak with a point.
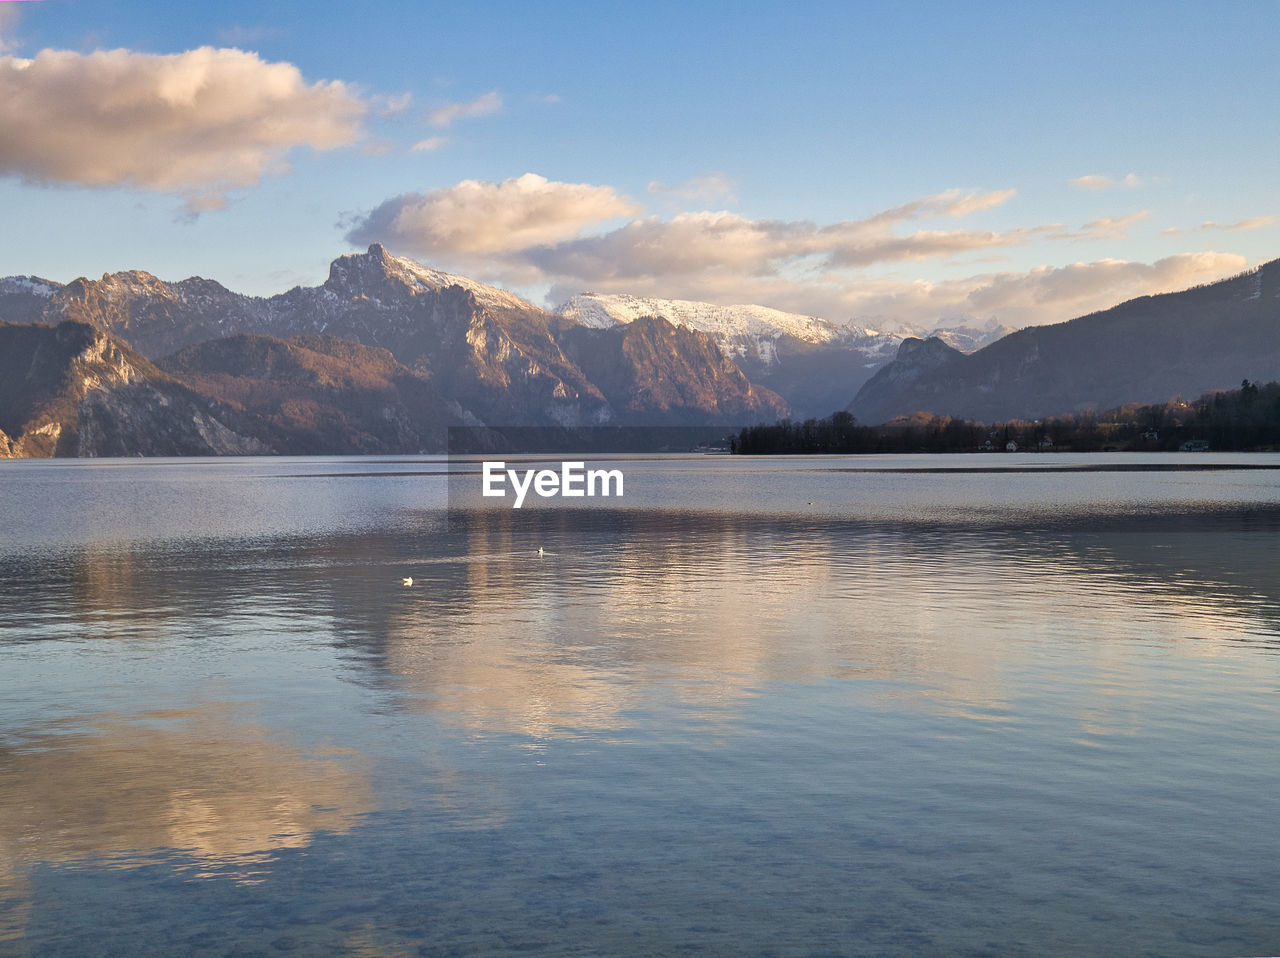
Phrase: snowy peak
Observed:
(722, 323)
(376, 273)
(28, 285)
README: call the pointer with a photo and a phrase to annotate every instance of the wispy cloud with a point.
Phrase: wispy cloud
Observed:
(10, 14)
(1095, 181)
(445, 116)
(1106, 228)
(712, 189)
(429, 145)
(197, 123)
(388, 106)
(1209, 226)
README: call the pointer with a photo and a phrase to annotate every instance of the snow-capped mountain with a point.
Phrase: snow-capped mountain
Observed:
(735, 328)
(30, 285)
(967, 339)
(810, 361)
(752, 332)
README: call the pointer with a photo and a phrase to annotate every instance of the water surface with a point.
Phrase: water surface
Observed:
(865, 705)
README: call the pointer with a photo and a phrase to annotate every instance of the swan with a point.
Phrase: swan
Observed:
(407, 580)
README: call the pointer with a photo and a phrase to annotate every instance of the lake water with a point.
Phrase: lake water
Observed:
(984, 705)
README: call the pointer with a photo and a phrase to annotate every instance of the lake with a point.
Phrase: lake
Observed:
(903, 705)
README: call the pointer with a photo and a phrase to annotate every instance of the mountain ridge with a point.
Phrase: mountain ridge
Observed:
(1147, 349)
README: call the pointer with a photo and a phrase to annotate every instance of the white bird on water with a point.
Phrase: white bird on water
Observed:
(540, 552)
(407, 580)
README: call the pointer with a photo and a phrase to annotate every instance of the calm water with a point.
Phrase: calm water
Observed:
(783, 706)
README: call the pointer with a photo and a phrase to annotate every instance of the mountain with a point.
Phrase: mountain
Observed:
(72, 390)
(655, 373)
(1146, 350)
(317, 394)
(463, 352)
(812, 363)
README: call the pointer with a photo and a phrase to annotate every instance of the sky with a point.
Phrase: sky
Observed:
(879, 164)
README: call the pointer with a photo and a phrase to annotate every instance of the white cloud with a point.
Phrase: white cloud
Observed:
(430, 144)
(1209, 226)
(1108, 227)
(445, 116)
(10, 14)
(471, 223)
(389, 106)
(531, 231)
(197, 123)
(1045, 294)
(952, 203)
(693, 242)
(714, 188)
(1095, 181)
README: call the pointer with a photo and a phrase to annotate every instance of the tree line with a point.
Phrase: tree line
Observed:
(1241, 419)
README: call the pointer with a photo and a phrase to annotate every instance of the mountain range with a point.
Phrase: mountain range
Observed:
(814, 364)
(387, 354)
(1146, 350)
(382, 357)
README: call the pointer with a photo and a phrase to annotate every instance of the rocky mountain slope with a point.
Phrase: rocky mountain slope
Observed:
(317, 394)
(655, 373)
(72, 390)
(1146, 350)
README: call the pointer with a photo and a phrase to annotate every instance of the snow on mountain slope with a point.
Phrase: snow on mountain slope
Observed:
(753, 332)
(721, 322)
(31, 285)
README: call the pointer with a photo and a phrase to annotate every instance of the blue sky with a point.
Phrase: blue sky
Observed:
(876, 163)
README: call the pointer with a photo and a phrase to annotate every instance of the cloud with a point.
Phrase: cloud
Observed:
(693, 242)
(1109, 227)
(200, 122)
(10, 14)
(429, 145)
(444, 116)
(1256, 223)
(531, 231)
(710, 189)
(1044, 294)
(1062, 292)
(471, 222)
(952, 203)
(388, 106)
(1096, 182)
